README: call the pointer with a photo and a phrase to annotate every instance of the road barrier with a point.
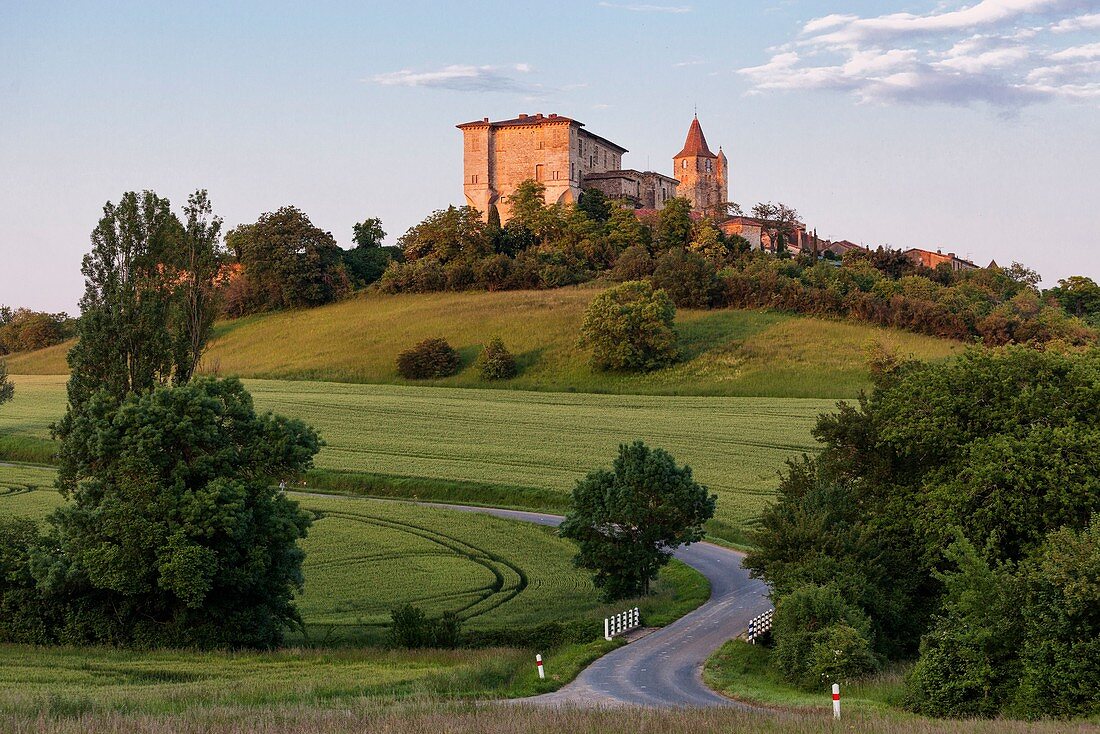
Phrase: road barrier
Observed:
(760, 625)
(538, 662)
(836, 700)
(621, 622)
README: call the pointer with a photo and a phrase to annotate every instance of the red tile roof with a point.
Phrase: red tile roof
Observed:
(696, 143)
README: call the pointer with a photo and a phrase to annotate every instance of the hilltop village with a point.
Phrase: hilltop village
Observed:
(567, 159)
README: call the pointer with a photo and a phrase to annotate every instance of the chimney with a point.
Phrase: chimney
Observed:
(522, 116)
(538, 116)
(485, 119)
(553, 115)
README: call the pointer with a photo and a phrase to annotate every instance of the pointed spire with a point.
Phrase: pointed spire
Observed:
(696, 143)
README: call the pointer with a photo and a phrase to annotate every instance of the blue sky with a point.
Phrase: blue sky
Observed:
(971, 126)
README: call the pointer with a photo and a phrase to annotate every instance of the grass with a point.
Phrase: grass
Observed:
(426, 716)
(365, 557)
(728, 352)
(744, 672)
(523, 449)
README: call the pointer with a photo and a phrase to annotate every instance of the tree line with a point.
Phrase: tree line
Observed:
(951, 518)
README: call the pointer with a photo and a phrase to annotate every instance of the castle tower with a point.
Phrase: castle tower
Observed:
(704, 176)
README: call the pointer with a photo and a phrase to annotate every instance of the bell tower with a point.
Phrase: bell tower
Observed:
(703, 175)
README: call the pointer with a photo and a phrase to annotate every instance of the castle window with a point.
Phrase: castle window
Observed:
(556, 175)
(572, 171)
(708, 166)
(539, 174)
(684, 164)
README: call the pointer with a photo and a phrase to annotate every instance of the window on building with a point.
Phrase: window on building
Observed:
(539, 172)
(473, 179)
(556, 175)
(708, 166)
(684, 164)
(572, 171)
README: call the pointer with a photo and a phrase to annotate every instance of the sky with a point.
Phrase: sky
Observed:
(968, 126)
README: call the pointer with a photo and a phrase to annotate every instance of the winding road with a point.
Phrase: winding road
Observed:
(664, 668)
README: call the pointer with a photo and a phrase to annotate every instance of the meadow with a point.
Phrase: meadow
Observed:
(726, 352)
(534, 445)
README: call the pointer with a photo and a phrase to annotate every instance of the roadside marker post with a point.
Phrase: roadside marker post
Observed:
(836, 700)
(538, 662)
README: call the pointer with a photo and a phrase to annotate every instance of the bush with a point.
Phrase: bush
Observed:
(497, 363)
(690, 280)
(431, 358)
(635, 263)
(411, 628)
(807, 621)
(629, 327)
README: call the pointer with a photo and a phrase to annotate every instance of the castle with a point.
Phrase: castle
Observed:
(566, 159)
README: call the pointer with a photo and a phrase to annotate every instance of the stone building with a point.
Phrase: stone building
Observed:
(703, 176)
(556, 151)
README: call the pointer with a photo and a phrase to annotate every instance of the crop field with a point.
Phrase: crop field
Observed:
(365, 557)
(726, 352)
(539, 441)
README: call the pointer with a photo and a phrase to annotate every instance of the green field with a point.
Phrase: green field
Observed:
(727, 352)
(535, 442)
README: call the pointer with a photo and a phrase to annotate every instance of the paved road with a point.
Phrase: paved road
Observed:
(664, 669)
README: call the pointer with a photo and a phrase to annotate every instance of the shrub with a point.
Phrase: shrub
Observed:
(411, 628)
(635, 263)
(809, 619)
(690, 280)
(430, 358)
(629, 327)
(497, 363)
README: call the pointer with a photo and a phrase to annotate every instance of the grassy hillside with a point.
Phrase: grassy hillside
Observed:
(724, 352)
(537, 443)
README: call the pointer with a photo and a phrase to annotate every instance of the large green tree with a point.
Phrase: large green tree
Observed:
(130, 290)
(288, 262)
(447, 234)
(629, 328)
(198, 260)
(628, 521)
(7, 389)
(173, 534)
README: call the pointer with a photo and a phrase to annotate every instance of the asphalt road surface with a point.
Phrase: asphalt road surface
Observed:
(664, 668)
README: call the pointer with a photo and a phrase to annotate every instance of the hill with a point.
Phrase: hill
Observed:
(725, 352)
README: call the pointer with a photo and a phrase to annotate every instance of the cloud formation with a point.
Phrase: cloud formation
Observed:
(462, 78)
(1007, 53)
(643, 8)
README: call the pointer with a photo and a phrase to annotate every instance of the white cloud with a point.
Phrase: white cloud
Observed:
(460, 78)
(643, 8)
(960, 54)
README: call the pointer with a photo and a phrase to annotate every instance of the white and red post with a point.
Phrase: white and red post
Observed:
(836, 700)
(538, 662)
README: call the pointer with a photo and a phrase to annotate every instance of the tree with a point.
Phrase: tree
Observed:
(820, 638)
(689, 278)
(629, 327)
(288, 262)
(707, 242)
(431, 358)
(7, 389)
(496, 362)
(595, 205)
(368, 233)
(198, 262)
(628, 521)
(125, 345)
(674, 224)
(1079, 296)
(173, 533)
(447, 234)
(778, 223)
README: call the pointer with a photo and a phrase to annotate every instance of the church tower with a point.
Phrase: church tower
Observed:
(703, 176)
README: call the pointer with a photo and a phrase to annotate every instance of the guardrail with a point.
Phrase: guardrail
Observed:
(760, 626)
(621, 622)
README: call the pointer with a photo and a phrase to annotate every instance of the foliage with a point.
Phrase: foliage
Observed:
(431, 358)
(1079, 296)
(674, 224)
(411, 629)
(125, 344)
(689, 278)
(173, 534)
(633, 263)
(23, 330)
(629, 328)
(286, 262)
(1060, 658)
(446, 235)
(7, 388)
(25, 615)
(368, 233)
(595, 205)
(198, 261)
(998, 446)
(820, 638)
(967, 662)
(629, 521)
(496, 362)
(778, 223)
